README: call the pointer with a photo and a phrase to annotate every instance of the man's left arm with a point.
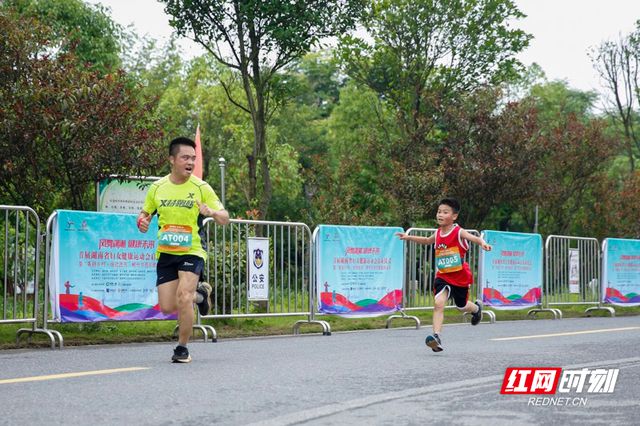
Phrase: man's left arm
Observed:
(212, 207)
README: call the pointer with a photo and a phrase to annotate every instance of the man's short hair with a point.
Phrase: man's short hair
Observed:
(174, 145)
(451, 202)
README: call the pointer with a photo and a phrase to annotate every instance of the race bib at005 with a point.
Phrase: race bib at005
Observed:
(448, 260)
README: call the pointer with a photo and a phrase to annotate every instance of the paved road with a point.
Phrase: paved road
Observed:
(386, 377)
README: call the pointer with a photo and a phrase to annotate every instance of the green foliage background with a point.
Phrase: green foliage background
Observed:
(371, 130)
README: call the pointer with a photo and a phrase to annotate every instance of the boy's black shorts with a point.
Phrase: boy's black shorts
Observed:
(169, 265)
(460, 295)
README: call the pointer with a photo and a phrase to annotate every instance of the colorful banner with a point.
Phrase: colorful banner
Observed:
(511, 273)
(360, 270)
(103, 268)
(258, 270)
(621, 272)
(123, 195)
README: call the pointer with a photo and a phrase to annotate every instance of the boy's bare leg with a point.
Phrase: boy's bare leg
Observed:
(475, 309)
(438, 310)
(470, 308)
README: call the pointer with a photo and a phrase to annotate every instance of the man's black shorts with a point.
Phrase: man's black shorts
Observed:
(169, 265)
(460, 295)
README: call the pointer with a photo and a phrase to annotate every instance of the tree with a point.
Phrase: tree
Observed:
(421, 47)
(577, 155)
(626, 221)
(256, 40)
(352, 177)
(62, 125)
(545, 149)
(76, 26)
(320, 72)
(555, 100)
(423, 54)
(578, 149)
(489, 156)
(619, 66)
(189, 94)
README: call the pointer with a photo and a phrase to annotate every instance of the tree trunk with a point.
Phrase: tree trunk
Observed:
(253, 181)
(261, 142)
(259, 116)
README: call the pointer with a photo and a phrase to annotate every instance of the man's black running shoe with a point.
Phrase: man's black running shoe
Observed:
(205, 290)
(181, 354)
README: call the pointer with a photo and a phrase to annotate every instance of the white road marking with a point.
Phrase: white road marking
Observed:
(569, 333)
(70, 375)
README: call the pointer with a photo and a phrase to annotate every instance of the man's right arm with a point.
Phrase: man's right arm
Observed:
(144, 218)
(143, 221)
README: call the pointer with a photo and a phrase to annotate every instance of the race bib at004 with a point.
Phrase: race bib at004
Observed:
(175, 238)
(448, 260)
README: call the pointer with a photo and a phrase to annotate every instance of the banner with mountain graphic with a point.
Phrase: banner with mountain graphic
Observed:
(621, 272)
(360, 270)
(103, 269)
(510, 274)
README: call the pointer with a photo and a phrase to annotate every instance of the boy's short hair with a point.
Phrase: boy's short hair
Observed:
(451, 202)
(174, 145)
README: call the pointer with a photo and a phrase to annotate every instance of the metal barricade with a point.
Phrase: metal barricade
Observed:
(418, 292)
(557, 264)
(20, 268)
(51, 222)
(290, 285)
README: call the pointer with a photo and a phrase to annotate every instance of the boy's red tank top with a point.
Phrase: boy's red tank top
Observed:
(451, 249)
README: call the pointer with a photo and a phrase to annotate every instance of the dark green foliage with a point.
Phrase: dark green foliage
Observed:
(63, 125)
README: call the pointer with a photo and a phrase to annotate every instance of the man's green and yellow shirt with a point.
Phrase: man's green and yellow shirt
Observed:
(179, 220)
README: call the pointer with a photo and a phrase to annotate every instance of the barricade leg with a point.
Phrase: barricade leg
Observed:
(54, 336)
(214, 335)
(490, 314)
(326, 327)
(557, 314)
(202, 328)
(403, 316)
(609, 309)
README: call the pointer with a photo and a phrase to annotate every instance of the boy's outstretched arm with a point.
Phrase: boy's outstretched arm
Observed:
(477, 240)
(420, 240)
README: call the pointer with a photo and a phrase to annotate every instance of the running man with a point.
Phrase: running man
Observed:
(182, 202)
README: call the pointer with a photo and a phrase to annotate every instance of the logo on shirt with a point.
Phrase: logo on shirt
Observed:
(187, 204)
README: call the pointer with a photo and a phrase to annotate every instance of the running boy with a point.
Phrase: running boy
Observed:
(453, 276)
